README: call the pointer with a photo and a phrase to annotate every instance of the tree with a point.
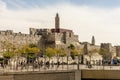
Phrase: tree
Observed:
(74, 53)
(103, 52)
(91, 52)
(71, 46)
(31, 48)
(29, 51)
(8, 49)
(31, 45)
(8, 54)
(23, 50)
(59, 52)
(62, 53)
(49, 52)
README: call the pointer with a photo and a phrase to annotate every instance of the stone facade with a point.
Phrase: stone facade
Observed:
(41, 75)
(117, 51)
(55, 38)
(17, 39)
(110, 50)
(88, 47)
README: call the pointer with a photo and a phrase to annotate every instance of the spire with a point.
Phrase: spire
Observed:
(57, 25)
(93, 40)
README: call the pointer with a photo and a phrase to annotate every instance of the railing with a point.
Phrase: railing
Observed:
(25, 68)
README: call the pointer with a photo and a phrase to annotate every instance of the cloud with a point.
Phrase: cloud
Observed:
(83, 20)
(2, 6)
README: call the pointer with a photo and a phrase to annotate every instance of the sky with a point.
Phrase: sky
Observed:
(86, 18)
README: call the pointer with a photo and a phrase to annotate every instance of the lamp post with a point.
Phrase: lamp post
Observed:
(68, 58)
(44, 52)
(78, 62)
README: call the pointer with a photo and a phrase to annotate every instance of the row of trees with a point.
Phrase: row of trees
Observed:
(32, 50)
(10, 50)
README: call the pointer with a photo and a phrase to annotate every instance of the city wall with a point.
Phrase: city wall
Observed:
(17, 39)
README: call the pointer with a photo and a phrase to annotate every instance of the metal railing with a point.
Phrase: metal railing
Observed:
(54, 67)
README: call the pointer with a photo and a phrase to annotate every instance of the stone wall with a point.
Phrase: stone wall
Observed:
(45, 76)
(110, 50)
(43, 37)
(34, 31)
(17, 39)
(100, 74)
(48, 75)
(117, 51)
(89, 47)
(6, 77)
(65, 39)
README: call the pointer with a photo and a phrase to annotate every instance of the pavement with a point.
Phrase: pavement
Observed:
(56, 68)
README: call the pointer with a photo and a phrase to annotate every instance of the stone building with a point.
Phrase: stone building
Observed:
(88, 47)
(117, 51)
(55, 37)
(18, 39)
(110, 51)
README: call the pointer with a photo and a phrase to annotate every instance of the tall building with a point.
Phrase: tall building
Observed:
(56, 37)
(57, 23)
(93, 40)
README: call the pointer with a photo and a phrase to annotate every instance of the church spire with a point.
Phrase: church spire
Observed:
(57, 20)
(93, 40)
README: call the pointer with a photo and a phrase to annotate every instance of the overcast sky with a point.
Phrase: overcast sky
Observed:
(100, 18)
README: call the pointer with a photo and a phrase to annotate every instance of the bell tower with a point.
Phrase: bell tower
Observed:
(57, 23)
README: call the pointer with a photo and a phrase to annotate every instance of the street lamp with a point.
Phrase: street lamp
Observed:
(44, 50)
(78, 62)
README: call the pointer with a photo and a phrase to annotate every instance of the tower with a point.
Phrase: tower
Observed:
(57, 25)
(93, 40)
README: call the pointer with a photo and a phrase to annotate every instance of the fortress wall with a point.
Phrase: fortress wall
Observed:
(72, 39)
(59, 38)
(117, 51)
(65, 39)
(76, 38)
(51, 37)
(18, 39)
(92, 47)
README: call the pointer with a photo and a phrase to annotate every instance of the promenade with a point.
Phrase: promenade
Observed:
(61, 72)
(56, 68)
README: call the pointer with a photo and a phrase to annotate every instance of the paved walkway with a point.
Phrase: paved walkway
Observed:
(55, 67)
